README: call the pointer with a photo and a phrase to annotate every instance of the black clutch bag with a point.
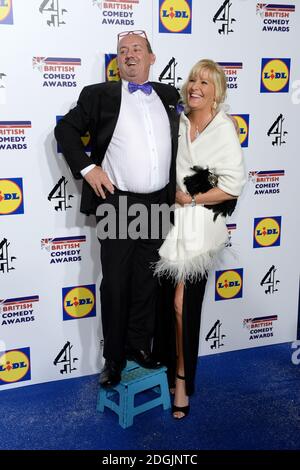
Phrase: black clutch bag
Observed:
(202, 181)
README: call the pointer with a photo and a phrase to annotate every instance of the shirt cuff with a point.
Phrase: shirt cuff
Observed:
(87, 169)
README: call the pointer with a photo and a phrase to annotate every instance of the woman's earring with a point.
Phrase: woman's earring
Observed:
(214, 104)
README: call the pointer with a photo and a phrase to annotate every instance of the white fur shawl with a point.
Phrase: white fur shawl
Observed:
(190, 246)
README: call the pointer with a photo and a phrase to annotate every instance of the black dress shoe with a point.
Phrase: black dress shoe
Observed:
(111, 373)
(143, 359)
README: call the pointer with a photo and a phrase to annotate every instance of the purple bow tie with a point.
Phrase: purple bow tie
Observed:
(146, 87)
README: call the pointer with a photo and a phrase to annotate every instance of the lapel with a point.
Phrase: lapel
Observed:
(171, 111)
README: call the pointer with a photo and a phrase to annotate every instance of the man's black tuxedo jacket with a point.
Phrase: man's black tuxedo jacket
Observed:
(97, 111)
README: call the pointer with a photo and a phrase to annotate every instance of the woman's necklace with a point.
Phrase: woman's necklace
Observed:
(200, 128)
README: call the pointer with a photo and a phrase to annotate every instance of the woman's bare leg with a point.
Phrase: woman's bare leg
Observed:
(181, 399)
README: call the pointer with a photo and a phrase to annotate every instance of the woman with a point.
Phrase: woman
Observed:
(208, 139)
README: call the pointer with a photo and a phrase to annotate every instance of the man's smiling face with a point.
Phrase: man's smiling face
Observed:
(134, 59)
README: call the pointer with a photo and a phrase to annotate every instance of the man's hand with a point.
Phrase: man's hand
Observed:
(98, 179)
(183, 198)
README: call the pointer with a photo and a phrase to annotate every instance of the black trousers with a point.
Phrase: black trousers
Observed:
(129, 290)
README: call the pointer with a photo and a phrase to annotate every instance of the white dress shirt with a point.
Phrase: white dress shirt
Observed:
(138, 157)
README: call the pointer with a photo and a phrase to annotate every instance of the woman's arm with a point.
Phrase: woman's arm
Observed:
(211, 197)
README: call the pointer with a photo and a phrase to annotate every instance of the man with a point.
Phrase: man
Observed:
(133, 126)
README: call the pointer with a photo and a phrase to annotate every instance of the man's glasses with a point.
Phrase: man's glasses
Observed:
(138, 32)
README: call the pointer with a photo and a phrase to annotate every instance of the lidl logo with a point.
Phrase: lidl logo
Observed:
(86, 139)
(267, 232)
(79, 302)
(111, 68)
(229, 284)
(14, 366)
(11, 196)
(275, 75)
(175, 16)
(6, 12)
(243, 123)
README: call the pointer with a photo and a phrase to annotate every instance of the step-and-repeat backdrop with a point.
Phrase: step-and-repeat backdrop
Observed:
(50, 313)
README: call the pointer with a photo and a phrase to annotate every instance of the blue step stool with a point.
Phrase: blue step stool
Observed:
(135, 379)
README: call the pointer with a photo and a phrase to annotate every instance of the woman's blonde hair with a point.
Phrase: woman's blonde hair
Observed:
(216, 74)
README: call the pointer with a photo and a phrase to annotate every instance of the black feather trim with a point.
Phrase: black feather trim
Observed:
(202, 181)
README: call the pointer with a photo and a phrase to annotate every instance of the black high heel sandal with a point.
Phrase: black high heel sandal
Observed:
(181, 409)
(173, 386)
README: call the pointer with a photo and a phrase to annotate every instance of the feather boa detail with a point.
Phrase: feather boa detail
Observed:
(191, 270)
(189, 250)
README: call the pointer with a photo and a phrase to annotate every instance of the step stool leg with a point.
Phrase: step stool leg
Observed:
(129, 407)
(123, 408)
(101, 399)
(165, 394)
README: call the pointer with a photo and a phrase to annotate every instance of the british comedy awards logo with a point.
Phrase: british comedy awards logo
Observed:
(266, 182)
(6, 12)
(116, 12)
(243, 123)
(275, 75)
(14, 135)
(64, 249)
(111, 68)
(229, 284)
(275, 18)
(79, 302)
(175, 16)
(14, 366)
(19, 310)
(260, 327)
(266, 232)
(57, 71)
(231, 70)
(11, 196)
(231, 229)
